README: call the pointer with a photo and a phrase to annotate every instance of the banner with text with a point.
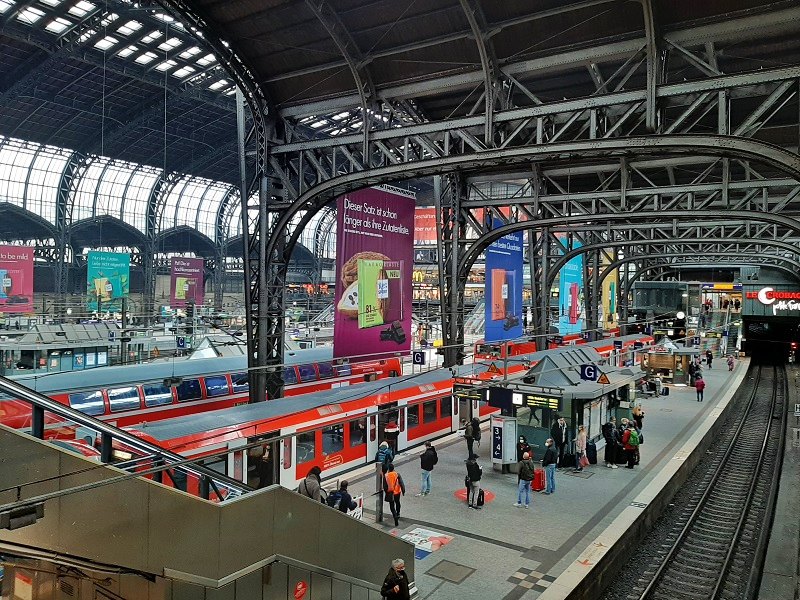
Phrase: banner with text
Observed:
(571, 312)
(186, 281)
(374, 259)
(425, 226)
(16, 279)
(107, 280)
(504, 287)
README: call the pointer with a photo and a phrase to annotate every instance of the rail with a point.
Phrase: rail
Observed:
(163, 460)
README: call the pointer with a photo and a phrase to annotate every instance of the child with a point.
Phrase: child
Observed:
(730, 362)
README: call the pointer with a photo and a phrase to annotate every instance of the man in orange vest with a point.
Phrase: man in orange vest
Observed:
(393, 488)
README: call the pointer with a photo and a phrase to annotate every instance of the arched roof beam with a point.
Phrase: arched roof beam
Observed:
(712, 145)
(14, 215)
(356, 61)
(491, 67)
(652, 35)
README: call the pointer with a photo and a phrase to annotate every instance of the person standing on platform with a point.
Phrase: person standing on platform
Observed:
(523, 447)
(549, 463)
(730, 362)
(468, 437)
(638, 415)
(393, 487)
(311, 486)
(390, 434)
(630, 441)
(474, 474)
(612, 441)
(560, 437)
(384, 456)
(525, 473)
(395, 584)
(709, 358)
(580, 448)
(427, 461)
(700, 385)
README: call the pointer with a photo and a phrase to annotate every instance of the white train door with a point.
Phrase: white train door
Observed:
(373, 438)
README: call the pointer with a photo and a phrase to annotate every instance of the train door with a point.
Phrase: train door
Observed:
(237, 460)
(287, 470)
(402, 422)
(456, 404)
(262, 468)
(372, 432)
(389, 425)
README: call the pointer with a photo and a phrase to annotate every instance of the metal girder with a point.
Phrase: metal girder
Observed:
(652, 35)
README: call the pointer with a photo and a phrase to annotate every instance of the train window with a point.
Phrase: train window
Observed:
(358, 432)
(332, 439)
(216, 385)
(89, 403)
(344, 370)
(412, 416)
(240, 383)
(307, 373)
(325, 370)
(306, 447)
(446, 407)
(429, 411)
(218, 464)
(289, 375)
(189, 389)
(156, 395)
(126, 398)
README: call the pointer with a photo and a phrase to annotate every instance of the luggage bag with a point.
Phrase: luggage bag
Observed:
(481, 499)
(537, 485)
(591, 452)
(568, 461)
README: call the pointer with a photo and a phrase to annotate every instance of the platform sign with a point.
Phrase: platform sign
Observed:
(180, 342)
(797, 410)
(603, 379)
(589, 372)
(617, 344)
(112, 335)
(497, 441)
(696, 340)
(418, 357)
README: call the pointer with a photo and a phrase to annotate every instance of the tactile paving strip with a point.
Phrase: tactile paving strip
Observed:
(531, 580)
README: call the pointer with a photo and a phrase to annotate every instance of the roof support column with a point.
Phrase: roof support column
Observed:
(653, 66)
(222, 227)
(71, 177)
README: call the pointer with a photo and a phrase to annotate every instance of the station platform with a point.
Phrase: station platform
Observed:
(511, 553)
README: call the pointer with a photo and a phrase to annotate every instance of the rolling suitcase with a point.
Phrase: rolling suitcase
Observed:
(568, 461)
(591, 452)
(537, 485)
(481, 499)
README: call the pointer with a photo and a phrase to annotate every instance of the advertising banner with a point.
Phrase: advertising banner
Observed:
(504, 288)
(107, 279)
(424, 226)
(570, 295)
(608, 300)
(186, 281)
(16, 279)
(374, 250)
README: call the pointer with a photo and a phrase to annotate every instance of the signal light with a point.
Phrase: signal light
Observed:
(794, 345)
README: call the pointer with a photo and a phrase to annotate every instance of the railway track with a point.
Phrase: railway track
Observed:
(712, 548)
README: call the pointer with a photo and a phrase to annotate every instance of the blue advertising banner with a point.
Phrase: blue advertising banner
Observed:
(570, 294)
(504, 288)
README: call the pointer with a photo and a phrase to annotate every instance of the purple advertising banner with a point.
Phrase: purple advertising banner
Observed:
(374, 259)
(186, 281)
(16, 279)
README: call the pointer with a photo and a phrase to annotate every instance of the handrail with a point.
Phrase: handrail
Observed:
(41, 403)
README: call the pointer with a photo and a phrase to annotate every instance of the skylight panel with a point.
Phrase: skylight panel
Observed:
(51, 2)
(153, 35)
(81, 8)
(146, 58)
(166, 65)
(129, 27)
(317, 124)
(163, 17)
(57, 25)
(184, 72)
(5, 5)
(169, 44)
(218, 85)
(126, 52)
(206, 60)
(106, 42)
(190, 52)
(30, 15)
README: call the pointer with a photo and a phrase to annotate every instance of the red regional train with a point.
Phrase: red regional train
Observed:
(338, 429)
(165, 388)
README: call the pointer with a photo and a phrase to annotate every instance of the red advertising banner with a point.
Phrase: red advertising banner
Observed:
(425, 226)
(186, 281)
(374, 250)
(16, 279)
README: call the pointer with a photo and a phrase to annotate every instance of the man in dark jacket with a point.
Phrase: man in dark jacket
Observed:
(560, 437)
(474, 474)
(468, 436)
(549, 463)
(395, 584)
(343, 497)
(525, 473)
(427, 461)
(610, 435)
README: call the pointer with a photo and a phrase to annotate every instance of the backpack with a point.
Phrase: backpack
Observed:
(334, 499)
(476, 430)
(633, 439)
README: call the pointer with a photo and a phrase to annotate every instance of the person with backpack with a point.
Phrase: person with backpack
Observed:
(384, 456)
(393, 488)
(311, 486)
(525, 473)
(699, 386)
(549, 463)
(427, 461)
(474, 474)
(630, 441)
(468, 436)
(341, 499)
